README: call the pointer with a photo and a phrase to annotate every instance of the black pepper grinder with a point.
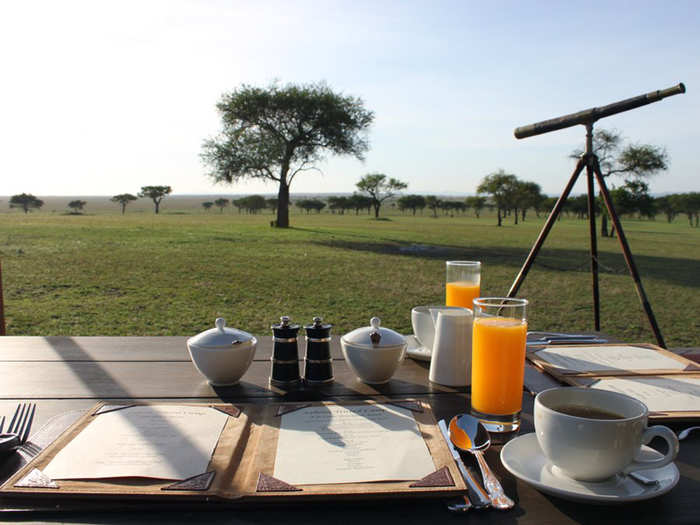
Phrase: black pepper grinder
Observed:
(318, 364)
(285, 354)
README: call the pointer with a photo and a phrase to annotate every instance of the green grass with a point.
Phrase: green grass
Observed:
(172, 274)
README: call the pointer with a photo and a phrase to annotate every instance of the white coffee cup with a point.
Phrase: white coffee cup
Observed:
(423, 323)
(587, 447)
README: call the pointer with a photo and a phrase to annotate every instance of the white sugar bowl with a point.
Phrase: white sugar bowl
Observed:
(373, 352)
(222, 354)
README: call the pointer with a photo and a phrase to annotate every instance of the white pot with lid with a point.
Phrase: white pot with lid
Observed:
(373, 352)
(222, 354)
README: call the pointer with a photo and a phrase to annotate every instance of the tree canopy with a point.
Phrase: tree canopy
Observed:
(379, 188)
(77, 205)
(123, 199)
(156, 194)
(221, 203)
(311, 204)
(633, 161)
(251, 204)
(277, 132)
(477, 203)
(26, 201)
(411, 202)
(502, 187)
(359, 202)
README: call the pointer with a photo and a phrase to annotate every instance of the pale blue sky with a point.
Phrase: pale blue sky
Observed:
(104, 97)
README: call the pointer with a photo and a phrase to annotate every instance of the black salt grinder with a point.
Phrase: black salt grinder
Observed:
(285, 354)
(318, 364)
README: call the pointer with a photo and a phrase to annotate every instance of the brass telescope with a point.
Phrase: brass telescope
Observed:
(590, 163)
(588, 116)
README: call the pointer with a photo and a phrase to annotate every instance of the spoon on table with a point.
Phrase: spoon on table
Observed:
(468, 434)
(684, 433)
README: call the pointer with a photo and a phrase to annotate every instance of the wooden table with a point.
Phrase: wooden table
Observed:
(65, 374)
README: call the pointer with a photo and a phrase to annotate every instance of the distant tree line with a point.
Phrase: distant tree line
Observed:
(630, 201)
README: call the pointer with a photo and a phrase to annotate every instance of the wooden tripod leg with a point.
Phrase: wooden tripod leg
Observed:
(2, 306)
(628, 255)
(545, 229)
(594, 244)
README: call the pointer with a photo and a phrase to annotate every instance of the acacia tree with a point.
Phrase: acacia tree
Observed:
(207, 205)
(123, 199)
(433, 203)
(635, 161)
(339, 204)
(379, 188)
(411, 202)
(360, 202)
(527, 195)
(277, 132)
(156, 194)
(26, 201)
(221, 204)
(272, 204)
(77, 205)
(311, 204)
(501, 186)
(477, 203)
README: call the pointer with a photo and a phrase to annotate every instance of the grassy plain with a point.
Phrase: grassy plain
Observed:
(172, 274)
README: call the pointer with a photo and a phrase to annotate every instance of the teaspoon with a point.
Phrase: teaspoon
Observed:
(684, 433)
(468, 434)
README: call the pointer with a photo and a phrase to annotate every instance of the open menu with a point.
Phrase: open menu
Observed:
(667, 383)
(245, 452)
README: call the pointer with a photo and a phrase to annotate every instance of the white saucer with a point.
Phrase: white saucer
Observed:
(415, 350)
(523, 458)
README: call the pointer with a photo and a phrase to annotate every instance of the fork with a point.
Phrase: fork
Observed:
(19, 427)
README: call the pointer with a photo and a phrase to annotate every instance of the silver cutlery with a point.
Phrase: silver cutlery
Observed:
(18, 429)
(468, 434)
(639, 477)
(478, 498)
(459, 504)
(685, 433)
(555, 338)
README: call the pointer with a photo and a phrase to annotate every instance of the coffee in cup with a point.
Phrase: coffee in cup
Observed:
(590, 434)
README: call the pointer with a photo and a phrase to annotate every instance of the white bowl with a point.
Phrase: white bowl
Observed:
(373, 362)
(222, 355)
(374, 366)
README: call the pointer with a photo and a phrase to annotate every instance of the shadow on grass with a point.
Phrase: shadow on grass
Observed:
(676, 270)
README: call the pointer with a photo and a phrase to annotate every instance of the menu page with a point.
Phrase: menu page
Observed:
(659, 394)
(580, 358)
(350, 444)
(161, 441)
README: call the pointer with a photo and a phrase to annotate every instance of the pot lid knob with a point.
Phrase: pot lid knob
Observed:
(284, 320)
(220, 323)
(318, 321)
(374, 334)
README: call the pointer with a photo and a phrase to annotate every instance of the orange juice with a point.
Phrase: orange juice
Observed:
(498, 364)
(461, 293)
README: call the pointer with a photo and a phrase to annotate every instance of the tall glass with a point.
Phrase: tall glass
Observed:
(498, 362)
(463, 283)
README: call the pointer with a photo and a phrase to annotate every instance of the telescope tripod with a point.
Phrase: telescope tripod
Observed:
(589, 160)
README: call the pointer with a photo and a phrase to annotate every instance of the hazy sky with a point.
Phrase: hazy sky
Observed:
(103, 97)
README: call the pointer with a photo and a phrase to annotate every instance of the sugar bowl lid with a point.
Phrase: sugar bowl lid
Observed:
(222, 337)
(374, 336)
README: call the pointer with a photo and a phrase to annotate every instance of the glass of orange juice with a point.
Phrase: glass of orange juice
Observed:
(498, 362)
(463, 283)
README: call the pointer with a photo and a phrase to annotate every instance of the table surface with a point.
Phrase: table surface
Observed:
(64, 374)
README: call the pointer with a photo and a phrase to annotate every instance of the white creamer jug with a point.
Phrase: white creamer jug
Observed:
(451, 361)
